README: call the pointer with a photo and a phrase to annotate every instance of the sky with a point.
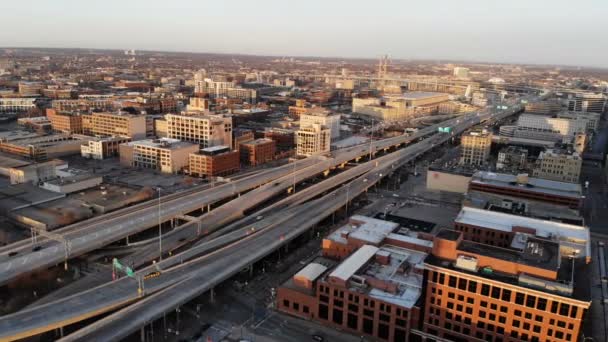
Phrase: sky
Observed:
(564, 32)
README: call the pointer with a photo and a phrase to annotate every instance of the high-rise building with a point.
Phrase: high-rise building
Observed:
(475, 147)
(205, 130)
(323, 117)
(166, 155)
(313, 140)
(558, 166)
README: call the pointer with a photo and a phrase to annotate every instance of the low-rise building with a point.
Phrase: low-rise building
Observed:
(257, 152)
(65, 122)
(115, 124)
(512, 158)
(205, 130)
(45, 147)
(558, 166)
(166, 155)
(214, 161)
(102, 148)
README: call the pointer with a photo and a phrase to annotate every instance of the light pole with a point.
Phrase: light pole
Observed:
(371, 140)
(294, 175)
(160, 231)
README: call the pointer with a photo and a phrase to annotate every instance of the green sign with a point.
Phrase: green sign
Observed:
(116, 264)
(130, 272)
(444, 129)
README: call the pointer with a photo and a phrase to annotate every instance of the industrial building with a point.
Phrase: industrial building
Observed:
(45, 147)
(542, 127)
(512, 158)
(65, 122)
(16, 105)
(522, 186)
(475, 147)
(115, 124)
(205, 130)
(400, 107)
(313, 140)
(214, 161)
(166, 155)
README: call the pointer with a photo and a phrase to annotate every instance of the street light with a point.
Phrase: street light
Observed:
(160, 231)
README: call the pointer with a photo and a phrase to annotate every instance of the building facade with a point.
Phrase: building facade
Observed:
(558, 166)
(205, 130)
(313, 140)
(115, 124)
(102, 148)
(214, 161)
(257, 152)
(475, 147)
(166, 155)
(322, 117)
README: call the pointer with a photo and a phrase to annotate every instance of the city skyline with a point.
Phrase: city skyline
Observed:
(478, 32)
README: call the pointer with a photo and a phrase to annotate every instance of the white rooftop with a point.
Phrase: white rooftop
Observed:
(371, 230)
(354, 262)
(562, 232)
(311, 272)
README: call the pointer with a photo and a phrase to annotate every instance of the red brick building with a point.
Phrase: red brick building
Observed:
(214, 161)
(257, 152)
(285, 139)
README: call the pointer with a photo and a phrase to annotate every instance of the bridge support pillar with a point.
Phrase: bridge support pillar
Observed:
(326, 173)
(142, 334)
(212, 295)
(209, 207)
(251, 271)
(61, 332)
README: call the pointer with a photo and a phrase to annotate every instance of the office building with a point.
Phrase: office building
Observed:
(313, 140)
(593, 119)
(166, 155)
(115, 124)
(522, 186)
(16, 105)
(558, 166)
(214, 161)
(512, 158)
(542, 127)
(65, 122)
(86, 105)
(546, 107)
(198, 104)
(461, 72)
(482, 292)
(27, 89)
(205, 130)
(219, 89)
(586, 102)
(299, 108)
(102, 147)
(257, 152)
(475, 147)
(400, 107)
(323, 117)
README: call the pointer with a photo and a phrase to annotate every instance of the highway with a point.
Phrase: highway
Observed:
(246, 252)
(121, 292)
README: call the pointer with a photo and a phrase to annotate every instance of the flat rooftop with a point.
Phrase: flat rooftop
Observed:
(258, 141)
(416, 95)
(533, 184)
(166, 143)
(363, 228)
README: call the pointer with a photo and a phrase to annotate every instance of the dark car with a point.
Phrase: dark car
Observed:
(318, 338)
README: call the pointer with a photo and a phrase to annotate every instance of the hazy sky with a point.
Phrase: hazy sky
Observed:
(527, 31)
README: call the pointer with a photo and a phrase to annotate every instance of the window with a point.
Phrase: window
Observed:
(462, 284)
(531, 301)
(305, 309)
(400, 322)
(337, 316)
(573, 312)
(324, 298)
(338, 303)
(554, 306)
(351, 321)
(469, 310)
(450, 305)
(485, 289)
(516, 323)
(536, 329)
(472, 286)
(482, 314)
(480, 324)
(519, 298)
(517, 313)
(504, 309)
(461, 298)
(441, 278)
(506, 295)
(502, 319)
(559, 335)
(538, 318)
(470, 300)
(323, 312)
(383, 331)
(526, 326)
(561, 324)
(452, 281)
(495, 292)
(353, 307)
(451, 295)
(528, 315)
(541, 304)
(514, 333)
(564, 309)
(368, 326)
(384, 317)
(286, 303)
(484, 304)
(296, 306)
(492, 317)
(367, 312)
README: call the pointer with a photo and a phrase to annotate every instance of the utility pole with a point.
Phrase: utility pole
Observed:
(294, 175)
(371, 140)
(160, 230)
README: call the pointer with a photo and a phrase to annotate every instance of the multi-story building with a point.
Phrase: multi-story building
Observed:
(543, 190)
(593, 119)
(512, 157)
(461, 72)
(321, 116)
(394, 108)
(313, 140)
(115, 124)
(547, 107)
(482, 292)
(241, 135)
(214, 161)
(284, 138)
(369, 281)
(257, 152)
(218, 89)
(16, 105)
(586, 102)
(299, 108)
(102, 148)
(198, 104)
(86, 104)
(30, 88)
(475, 147)
(537, 126)
(166, 155)
(205, 130)
(558, 166)
(45, 147)
(65, 122)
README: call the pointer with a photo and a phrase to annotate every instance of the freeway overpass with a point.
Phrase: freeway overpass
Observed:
(225, 261)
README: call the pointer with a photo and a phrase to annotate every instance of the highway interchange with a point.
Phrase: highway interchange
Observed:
(188, 274)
